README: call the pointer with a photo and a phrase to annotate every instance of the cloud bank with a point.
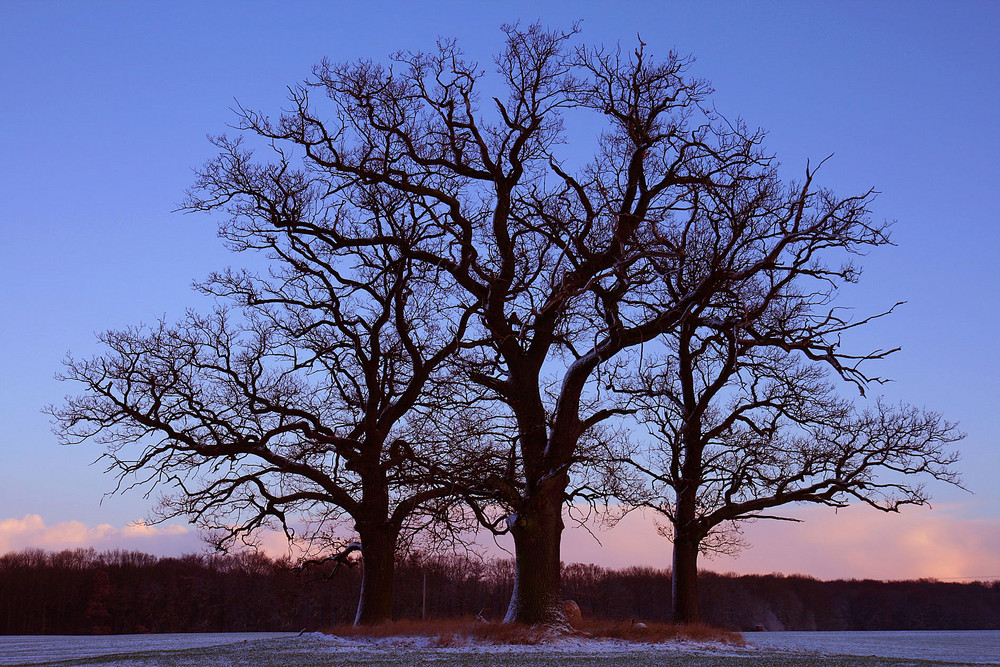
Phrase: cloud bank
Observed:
(855, 543)
(862, 543)
(31, 532)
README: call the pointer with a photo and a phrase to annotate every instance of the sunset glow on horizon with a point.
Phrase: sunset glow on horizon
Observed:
(854, 543)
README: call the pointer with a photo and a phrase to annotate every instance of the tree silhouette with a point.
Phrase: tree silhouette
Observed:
(509, 292)
(740, 400)
(311, 403)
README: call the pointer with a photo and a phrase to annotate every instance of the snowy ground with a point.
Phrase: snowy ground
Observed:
(968, 646)
(45, 649)
(315, 650)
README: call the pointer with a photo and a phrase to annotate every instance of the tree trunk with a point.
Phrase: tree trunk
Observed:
(378, 554)
(537, 596)
(684, 583)
(688, 533)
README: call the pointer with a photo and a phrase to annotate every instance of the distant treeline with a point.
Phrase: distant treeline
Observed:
(84, 592)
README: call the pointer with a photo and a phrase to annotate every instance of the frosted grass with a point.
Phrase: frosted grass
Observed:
(779, 649)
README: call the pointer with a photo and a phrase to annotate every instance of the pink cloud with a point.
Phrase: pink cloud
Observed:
(31, 531)
(857, 542)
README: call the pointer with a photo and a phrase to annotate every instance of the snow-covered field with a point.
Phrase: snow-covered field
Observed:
(31, 649)
(779, 649)
(968, 646)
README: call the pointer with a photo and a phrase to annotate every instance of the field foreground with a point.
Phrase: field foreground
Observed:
(316, 649)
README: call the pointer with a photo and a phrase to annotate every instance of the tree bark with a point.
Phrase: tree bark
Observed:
(378, 558)
(537, 533)
(684, 585)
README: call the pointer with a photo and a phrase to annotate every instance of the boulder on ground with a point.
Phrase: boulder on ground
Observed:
(572, 611)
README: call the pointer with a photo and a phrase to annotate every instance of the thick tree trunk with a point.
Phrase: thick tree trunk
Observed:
(684, 584)
(688, 533)
(378, 553)
(537, 596)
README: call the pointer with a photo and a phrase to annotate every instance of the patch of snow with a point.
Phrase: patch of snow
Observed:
(558, 645)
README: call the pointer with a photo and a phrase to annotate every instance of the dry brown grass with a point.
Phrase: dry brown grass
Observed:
(452, 632)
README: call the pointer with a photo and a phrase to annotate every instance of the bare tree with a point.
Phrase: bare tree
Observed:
(310, 404)
(564, 265)
(740, 398)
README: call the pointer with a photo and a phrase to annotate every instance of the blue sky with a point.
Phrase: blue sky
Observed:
(105, 108)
